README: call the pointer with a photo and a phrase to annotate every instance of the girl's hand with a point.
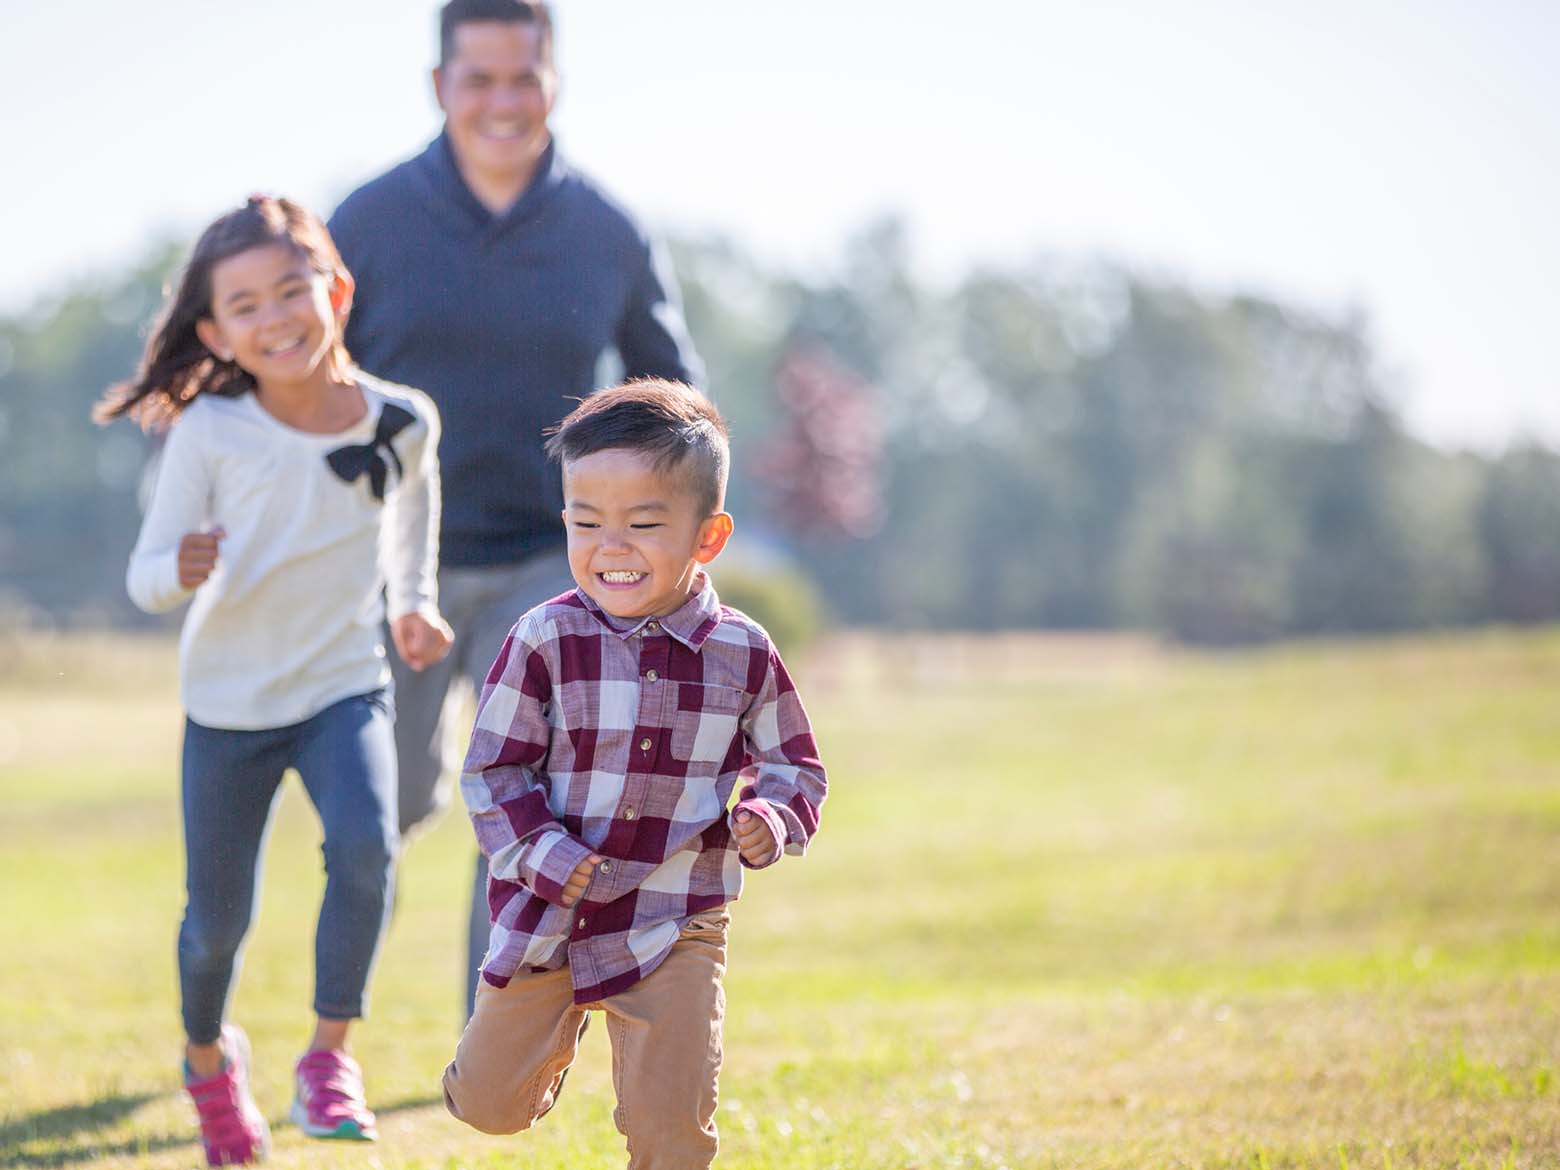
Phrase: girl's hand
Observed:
(754, 840)
(420, 639)
(579, 879)
(198, 556)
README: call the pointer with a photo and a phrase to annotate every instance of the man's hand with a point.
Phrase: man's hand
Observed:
(421, 640)
(198, 556)
(579, 879)
(756, 843)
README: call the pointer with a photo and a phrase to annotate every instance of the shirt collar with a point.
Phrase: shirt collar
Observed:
(550, 171)
(690, 623)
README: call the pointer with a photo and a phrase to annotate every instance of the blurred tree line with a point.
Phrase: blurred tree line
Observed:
(1043, 444)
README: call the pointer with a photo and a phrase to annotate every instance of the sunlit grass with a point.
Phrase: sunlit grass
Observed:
(1075, 903)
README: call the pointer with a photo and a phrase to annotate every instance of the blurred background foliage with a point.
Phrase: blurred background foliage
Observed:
(1048, 444)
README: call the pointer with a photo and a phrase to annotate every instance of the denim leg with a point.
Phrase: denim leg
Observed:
(230, 780)
(346, 757)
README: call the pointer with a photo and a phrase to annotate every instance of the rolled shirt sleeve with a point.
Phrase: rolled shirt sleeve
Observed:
(785, 783)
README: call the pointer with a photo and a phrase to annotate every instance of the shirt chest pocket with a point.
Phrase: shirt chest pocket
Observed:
(705, 724)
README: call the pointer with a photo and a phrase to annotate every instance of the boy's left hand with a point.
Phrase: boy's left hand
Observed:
(754, 840)
(421, 640)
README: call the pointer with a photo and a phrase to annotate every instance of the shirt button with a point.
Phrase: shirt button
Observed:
(645, 744)
(582, 924)
(605, 867)
(628, 813)
(652, 627)
(651, 675)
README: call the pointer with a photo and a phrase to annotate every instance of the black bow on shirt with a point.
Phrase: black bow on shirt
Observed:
(353, 460)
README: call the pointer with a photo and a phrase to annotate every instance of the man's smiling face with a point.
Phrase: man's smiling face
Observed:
(497, 91)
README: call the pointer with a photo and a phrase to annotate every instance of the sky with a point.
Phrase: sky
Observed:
(1399, 160)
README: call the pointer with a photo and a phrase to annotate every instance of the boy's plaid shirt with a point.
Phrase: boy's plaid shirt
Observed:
(628, 743)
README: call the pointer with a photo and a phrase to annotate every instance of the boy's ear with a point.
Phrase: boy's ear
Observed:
(210, 335)
(713, 535)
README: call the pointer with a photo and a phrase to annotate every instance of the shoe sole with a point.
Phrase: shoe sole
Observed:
(263, 1154)
(347, 1131)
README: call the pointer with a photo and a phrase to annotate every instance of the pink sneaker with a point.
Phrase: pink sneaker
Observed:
(232, 1128)
(330, 1102)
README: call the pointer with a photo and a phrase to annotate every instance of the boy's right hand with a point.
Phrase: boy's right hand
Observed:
(198, 556)
(579, 879)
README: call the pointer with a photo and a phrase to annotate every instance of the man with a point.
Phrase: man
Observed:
(493, 276)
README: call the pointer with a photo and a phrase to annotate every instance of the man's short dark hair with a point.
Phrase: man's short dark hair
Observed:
(672, 423)
(459, 12)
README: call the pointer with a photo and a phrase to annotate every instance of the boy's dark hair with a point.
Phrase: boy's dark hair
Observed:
(676, 426)
(176, 365)
(459, 12)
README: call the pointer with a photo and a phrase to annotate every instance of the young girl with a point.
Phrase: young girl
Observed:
(293, 491)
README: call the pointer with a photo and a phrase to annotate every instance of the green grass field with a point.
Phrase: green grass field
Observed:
(1075, 903)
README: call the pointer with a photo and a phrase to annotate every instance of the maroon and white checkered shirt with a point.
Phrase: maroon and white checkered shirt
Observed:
(628, 743)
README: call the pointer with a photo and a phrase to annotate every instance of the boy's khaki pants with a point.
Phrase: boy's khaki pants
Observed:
(666, 1051)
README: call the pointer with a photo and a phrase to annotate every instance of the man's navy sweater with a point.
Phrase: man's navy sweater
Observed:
(501, 320)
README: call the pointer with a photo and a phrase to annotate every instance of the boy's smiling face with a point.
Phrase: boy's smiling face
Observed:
(636, 535)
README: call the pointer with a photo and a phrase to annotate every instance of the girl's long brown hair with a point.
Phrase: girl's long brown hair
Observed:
(177, 367)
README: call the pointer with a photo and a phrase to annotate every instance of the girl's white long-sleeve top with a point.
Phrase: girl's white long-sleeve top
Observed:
(290, 620)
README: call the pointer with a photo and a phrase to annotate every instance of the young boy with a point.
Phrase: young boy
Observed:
(611, 733)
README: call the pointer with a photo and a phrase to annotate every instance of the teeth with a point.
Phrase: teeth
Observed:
(621, 578)
(282, 347)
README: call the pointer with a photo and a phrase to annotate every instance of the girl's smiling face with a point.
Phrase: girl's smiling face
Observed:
(636, 533)
(274, 314)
